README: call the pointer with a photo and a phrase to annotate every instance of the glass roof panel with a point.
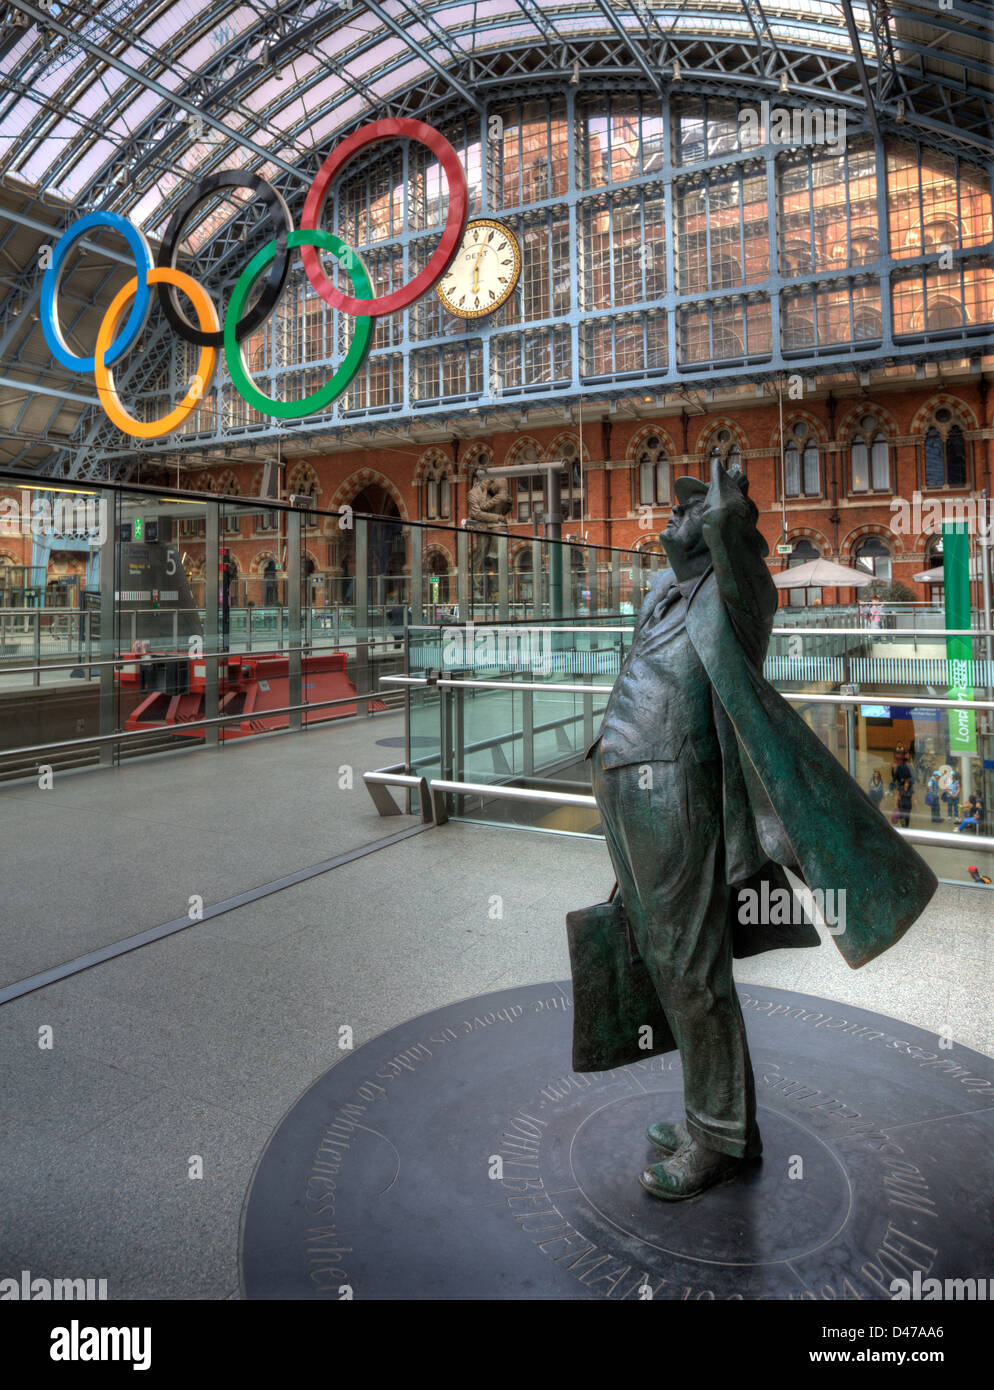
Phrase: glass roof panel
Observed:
(34, 168)
(21, 116)
(54, 80)
(16, 54)
(495, 9)
(461, 14)
(301, 68)
(88, 103)
(134, 114)
(84, 169)
(405, 75)
(86, 124)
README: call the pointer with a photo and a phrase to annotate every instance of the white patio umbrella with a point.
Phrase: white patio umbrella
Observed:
(822, 574)
(937, 574)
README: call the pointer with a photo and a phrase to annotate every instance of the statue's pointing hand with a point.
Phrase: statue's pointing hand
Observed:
(726, 497)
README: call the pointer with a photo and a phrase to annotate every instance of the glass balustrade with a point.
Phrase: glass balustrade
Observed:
(135, 621)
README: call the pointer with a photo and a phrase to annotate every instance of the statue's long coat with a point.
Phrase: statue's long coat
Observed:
(786, 797)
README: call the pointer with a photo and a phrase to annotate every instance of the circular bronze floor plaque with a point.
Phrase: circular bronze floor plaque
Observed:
(458, 1157)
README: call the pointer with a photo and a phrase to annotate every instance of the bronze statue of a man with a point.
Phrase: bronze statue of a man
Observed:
(488, 502)
(707, 782)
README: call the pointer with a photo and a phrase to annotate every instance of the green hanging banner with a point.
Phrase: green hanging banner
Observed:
(959, 650)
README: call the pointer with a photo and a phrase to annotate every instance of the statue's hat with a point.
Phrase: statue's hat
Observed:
(687, 489)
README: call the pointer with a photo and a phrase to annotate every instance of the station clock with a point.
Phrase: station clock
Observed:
(483, 272)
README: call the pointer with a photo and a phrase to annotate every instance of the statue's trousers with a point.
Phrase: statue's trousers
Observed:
(666, 845)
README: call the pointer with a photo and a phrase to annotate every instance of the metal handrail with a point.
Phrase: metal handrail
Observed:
(797, 695)
(935, 837)
(123, 736)
(442, 628)
(512, 793)
(309, 650)
(778, 631)
(888, 632)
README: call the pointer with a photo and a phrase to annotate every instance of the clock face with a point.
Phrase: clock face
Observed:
(483, 272)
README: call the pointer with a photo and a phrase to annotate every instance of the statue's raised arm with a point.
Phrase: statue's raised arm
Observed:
(738, 550)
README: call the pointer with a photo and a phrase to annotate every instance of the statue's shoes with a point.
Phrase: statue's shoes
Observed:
(669, 1138)
(689, 1172)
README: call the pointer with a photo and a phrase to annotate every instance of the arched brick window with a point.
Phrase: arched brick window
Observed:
(869, 457)
(945, 451)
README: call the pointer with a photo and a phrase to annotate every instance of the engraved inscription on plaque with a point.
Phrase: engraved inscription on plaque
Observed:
(458, 1156)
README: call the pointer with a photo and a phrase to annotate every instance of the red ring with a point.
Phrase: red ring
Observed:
(455, 223)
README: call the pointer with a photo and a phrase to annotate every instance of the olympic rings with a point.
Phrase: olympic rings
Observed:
(455, 222)
(53, 278)
(206, 366)
(113, 341)
(361, 339)
(271, 295)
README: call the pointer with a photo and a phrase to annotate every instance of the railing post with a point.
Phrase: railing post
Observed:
(417, 577)
(36, 675)
(592, 580)
(528, 732)
(107, 646)
(360, 594)
(503, 605)
(212, 600)
(459, 744)
(445, 723)
(538, 581)
(463, 577)
(295, 630)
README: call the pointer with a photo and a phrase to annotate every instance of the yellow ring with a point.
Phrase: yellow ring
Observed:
(202, 377)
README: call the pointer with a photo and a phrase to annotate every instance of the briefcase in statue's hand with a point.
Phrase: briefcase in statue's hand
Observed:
(613, 996)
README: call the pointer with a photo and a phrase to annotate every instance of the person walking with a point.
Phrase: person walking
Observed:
(905, 801)
(877, 791)
(933, 796)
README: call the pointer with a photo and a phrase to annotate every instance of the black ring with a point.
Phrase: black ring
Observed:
(275, 284)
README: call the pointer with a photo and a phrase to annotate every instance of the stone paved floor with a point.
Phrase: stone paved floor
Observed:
(198, 1044)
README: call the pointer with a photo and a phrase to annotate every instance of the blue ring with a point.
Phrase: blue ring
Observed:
(53, 277)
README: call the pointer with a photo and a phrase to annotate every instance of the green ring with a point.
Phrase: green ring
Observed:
(361, 339)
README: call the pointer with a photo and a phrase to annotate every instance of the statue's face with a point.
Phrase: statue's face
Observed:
(683, 535)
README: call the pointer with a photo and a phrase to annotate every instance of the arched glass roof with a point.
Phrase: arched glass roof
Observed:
(124, 104)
